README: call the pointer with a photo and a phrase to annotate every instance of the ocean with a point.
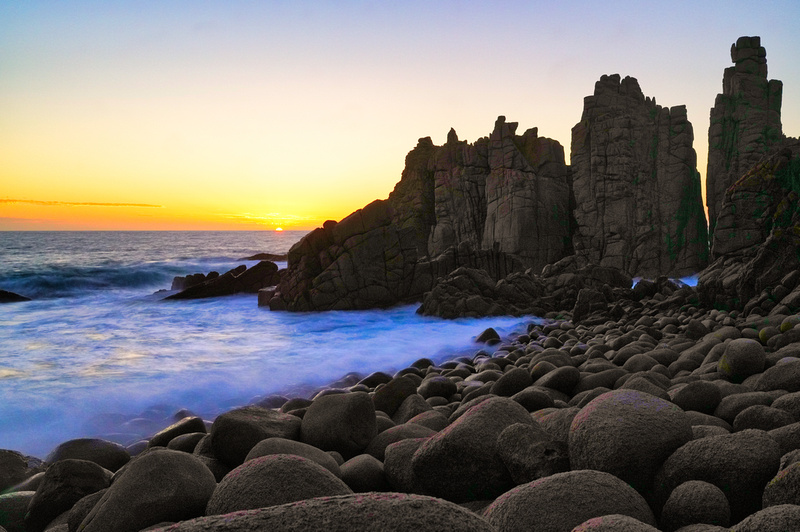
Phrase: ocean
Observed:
(97, 353)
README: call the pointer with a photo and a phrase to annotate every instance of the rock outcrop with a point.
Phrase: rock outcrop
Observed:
(745, 121)
(238, 280)
(638, 203)
(499, 205)
(757, 241)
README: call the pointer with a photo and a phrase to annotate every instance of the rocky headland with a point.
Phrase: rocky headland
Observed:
(658, 406)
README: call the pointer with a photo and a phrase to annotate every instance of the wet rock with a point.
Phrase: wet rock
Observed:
(565, 500)
(238, 280)
(236, 432)
(627, 433)
(13, 468)
(377, 447)
(389, 397)
(273, 480)
(412, 405)
(397, 466)
(106, 454)
(186, 425)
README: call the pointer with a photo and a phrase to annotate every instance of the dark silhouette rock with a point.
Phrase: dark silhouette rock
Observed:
(693, 502)
(342, 422)
(745, 125)
(11, 297)
(236, 281)
(638, 204)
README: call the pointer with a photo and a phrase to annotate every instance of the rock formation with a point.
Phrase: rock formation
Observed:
(637, 192)
(757, 240)
(499, 205)
(238, 280)
(745, 121)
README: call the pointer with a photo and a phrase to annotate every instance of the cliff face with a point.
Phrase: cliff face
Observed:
(638, 203)
(527, 195)
(745, 121)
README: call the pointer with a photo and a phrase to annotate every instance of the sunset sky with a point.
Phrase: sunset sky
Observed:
(264, 114)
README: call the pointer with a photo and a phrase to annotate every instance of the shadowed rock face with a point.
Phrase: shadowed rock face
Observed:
(637, 190)
(745, 121)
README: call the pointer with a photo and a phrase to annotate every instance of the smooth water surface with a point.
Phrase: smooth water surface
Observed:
(97, 347)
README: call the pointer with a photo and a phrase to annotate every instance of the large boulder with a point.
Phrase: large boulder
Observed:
(273, 480)
(340, 422)
(107, 454)
(739, 464)
(361, 512)
(235, 433)
(565, 500)
(462, 462)
(235, 281)
(160, 485)
(629, 434)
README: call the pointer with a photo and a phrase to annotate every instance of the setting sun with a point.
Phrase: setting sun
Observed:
(279, 228)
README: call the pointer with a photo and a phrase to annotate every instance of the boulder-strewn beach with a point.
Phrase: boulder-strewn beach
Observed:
(632, 407)
(661, 420)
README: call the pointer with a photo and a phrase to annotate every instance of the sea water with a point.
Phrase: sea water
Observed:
(98, 353)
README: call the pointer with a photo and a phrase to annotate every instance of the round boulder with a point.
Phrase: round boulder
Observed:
(627, 433)
(362, 512)
(701, 396)
(343, 422)
(693, 502)
(177, 487)
(762, 417)
(565, 500)
(461, 463)
(614, 523)
(272, 480)
(284, 446)
(784, 488)
(106, 454)
(742, 357)
(739, 464)
(781, 518)
(234, 433)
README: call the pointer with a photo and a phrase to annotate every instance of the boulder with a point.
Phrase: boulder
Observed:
(64, 483)
(273, 480)
(186, 425)
(377, 447)
(772, 519)
(565, 500)
(177, 487)
(740, 464)
(629, 434)
(462, 462)
(529, 453)
(272, 446)
(614, 523)
(236, 432)
(13, 468)
(693, 502)
(364, 473)
(11, 297)
(341, 422)
(361, 512)
(742, 358)
(236, 281)
(13, 507)
(784, 488)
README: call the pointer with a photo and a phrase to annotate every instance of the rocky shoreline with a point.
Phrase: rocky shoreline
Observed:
(668, 418)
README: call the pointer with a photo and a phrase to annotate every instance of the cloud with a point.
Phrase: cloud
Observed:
(273, 218)
(76, 203)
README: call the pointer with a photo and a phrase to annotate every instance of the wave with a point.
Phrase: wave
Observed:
(59, 281)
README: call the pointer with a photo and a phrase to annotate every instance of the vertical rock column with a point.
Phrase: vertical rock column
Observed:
(635, 182)
(745, 121)
(527, 195)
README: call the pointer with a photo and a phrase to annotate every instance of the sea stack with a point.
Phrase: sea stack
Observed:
(638, 203)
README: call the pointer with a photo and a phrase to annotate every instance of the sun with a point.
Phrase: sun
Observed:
(279, 228)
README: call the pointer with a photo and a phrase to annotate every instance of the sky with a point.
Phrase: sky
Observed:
(160, 115)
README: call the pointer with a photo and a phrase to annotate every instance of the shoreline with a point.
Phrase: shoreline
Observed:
(527, 412)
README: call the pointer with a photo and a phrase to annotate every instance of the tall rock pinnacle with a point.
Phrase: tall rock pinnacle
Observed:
(638, 203)
(745, 121)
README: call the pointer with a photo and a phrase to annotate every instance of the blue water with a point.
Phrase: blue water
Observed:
(97, 353)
